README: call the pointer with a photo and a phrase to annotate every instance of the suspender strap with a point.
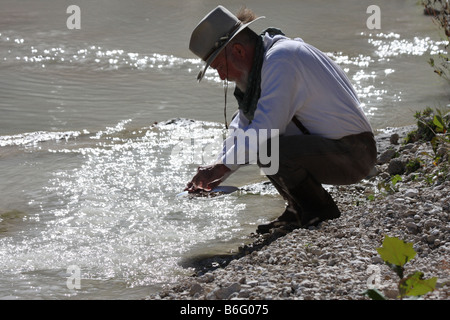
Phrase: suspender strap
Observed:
(300, 125)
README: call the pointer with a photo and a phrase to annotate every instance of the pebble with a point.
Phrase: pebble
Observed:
(394, 138)
(334, 260)
(224, 293)
(412, 227)
(411, 193)
(196, 289)
(386, 156)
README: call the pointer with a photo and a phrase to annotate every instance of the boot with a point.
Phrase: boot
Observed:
(290, 218)
(315, 202)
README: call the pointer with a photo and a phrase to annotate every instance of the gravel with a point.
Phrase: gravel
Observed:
(338, 259)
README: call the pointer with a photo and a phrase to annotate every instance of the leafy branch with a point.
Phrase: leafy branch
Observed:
(440, 11)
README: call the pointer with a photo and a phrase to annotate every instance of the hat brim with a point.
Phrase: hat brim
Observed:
(219, 50)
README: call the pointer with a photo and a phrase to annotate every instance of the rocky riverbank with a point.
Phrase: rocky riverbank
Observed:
(407, 196)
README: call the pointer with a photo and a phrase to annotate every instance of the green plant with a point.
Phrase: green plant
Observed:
(426, 124)
(432, 126)
(424, 127)
(390, 186)
(411, 137)
(413, 165)
(395, 179)
(440, 11)
(396, 253)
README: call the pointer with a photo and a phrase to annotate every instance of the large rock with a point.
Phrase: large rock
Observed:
(386, 156)
(396, 166)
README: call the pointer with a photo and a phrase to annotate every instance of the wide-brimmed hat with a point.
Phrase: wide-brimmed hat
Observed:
(213, 33)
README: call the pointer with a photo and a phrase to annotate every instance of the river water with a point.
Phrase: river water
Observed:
(91, 159)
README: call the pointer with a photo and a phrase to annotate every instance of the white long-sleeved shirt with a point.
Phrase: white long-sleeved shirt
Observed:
(297, 79)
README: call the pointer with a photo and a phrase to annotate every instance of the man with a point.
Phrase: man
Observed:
(290, 86)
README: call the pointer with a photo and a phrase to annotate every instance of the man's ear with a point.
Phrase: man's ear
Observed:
(239, 51)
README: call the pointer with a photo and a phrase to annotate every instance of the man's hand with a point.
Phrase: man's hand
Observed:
(208, 177)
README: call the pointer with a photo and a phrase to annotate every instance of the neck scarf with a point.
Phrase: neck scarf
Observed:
(248, 100)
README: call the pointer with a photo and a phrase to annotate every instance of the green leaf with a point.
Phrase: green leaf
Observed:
(396, 179)
(374, 294)
(438, 123)
(395, 251)
(415, 285)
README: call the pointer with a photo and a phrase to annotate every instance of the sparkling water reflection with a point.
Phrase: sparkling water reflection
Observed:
(116, 216)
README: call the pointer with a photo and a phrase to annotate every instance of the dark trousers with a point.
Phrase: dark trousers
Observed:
(308, 161)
